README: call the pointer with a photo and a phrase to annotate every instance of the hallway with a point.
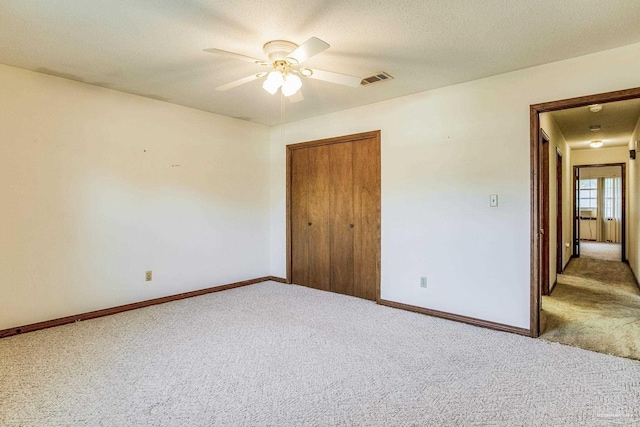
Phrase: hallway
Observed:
(595, 306)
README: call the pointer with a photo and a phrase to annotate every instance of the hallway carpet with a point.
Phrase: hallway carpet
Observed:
(595, 306)
(272, 354)
(601, 250)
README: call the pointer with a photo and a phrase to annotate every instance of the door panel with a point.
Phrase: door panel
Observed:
(319, 214)
(341, 205)
(366, 206)
(299, 217)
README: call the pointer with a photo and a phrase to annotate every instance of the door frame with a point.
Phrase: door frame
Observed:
(559, 216)
(328, 141)
(623, 195)
(534, 129)
(545, 222)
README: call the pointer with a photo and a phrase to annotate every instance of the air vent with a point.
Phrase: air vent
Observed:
(378, 77)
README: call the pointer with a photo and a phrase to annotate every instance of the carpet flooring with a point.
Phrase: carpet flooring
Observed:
(601, 250)
(282, 355)
(595, 306)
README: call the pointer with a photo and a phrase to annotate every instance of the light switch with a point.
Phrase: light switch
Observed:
(493, 200)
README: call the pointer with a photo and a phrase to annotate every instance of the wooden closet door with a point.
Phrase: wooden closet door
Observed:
(319, 214)
(299, 217)
(366, 207)
(341, 220)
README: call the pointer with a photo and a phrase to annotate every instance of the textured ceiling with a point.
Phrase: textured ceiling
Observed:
(154, 47)
(617, 121)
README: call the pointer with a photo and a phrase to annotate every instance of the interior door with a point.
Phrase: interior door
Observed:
(319, 215)
(366, 205)
(300, 216)
(342, 222)
(333, 200)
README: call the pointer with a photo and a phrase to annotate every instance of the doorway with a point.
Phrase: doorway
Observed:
(537, 185)
(596, 292)
(599, 207)
(333, 214)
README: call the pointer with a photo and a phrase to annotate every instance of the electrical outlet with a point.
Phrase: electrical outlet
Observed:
(423, 282)
(493, 200)
(148, 276)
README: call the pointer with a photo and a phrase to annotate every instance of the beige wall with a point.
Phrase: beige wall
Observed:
(601, 172)
(98, 186)
(558, 142)
(444, 152)
(596, 156)
(633, 205)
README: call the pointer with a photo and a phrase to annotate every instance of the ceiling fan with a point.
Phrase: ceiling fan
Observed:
(285, 59)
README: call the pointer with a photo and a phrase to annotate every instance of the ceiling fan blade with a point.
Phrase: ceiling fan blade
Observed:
(337, 78)
(239, 82)
(236, 56)
(306, 50)
(296, 97)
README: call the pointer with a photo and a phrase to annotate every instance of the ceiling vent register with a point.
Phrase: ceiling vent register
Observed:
(379, 77)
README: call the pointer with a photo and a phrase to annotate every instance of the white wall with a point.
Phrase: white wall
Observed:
(443, 153)
(633, 205)
(85, 210)
(558, 142)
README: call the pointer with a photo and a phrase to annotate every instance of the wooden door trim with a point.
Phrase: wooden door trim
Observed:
(544, 144)
(623, 222)
(559, 216)
(327, 141)
(534, 130)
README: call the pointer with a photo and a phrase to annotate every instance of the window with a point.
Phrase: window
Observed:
(612, 190)
(588, 193)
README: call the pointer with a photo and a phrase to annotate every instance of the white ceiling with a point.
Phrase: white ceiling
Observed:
(616, 119)
(154, 47)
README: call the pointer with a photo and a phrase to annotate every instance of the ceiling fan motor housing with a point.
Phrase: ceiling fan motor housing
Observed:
(277, 50)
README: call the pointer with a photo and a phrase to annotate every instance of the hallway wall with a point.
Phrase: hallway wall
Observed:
(558, 141)
(633, 253)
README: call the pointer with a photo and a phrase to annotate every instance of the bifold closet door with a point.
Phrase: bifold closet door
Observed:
(310, 217)
(299, 217)
(335, 216)
(319, 214)
(366, 212)
(341, 221)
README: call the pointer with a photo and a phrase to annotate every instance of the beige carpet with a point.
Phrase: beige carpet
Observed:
(595, 306)
(601, 250)
(282, 355)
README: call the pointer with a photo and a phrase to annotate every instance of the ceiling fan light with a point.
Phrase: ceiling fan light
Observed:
(273, 82)
(270, 87)
(596, 144)
(306, 72)
(291, 85)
